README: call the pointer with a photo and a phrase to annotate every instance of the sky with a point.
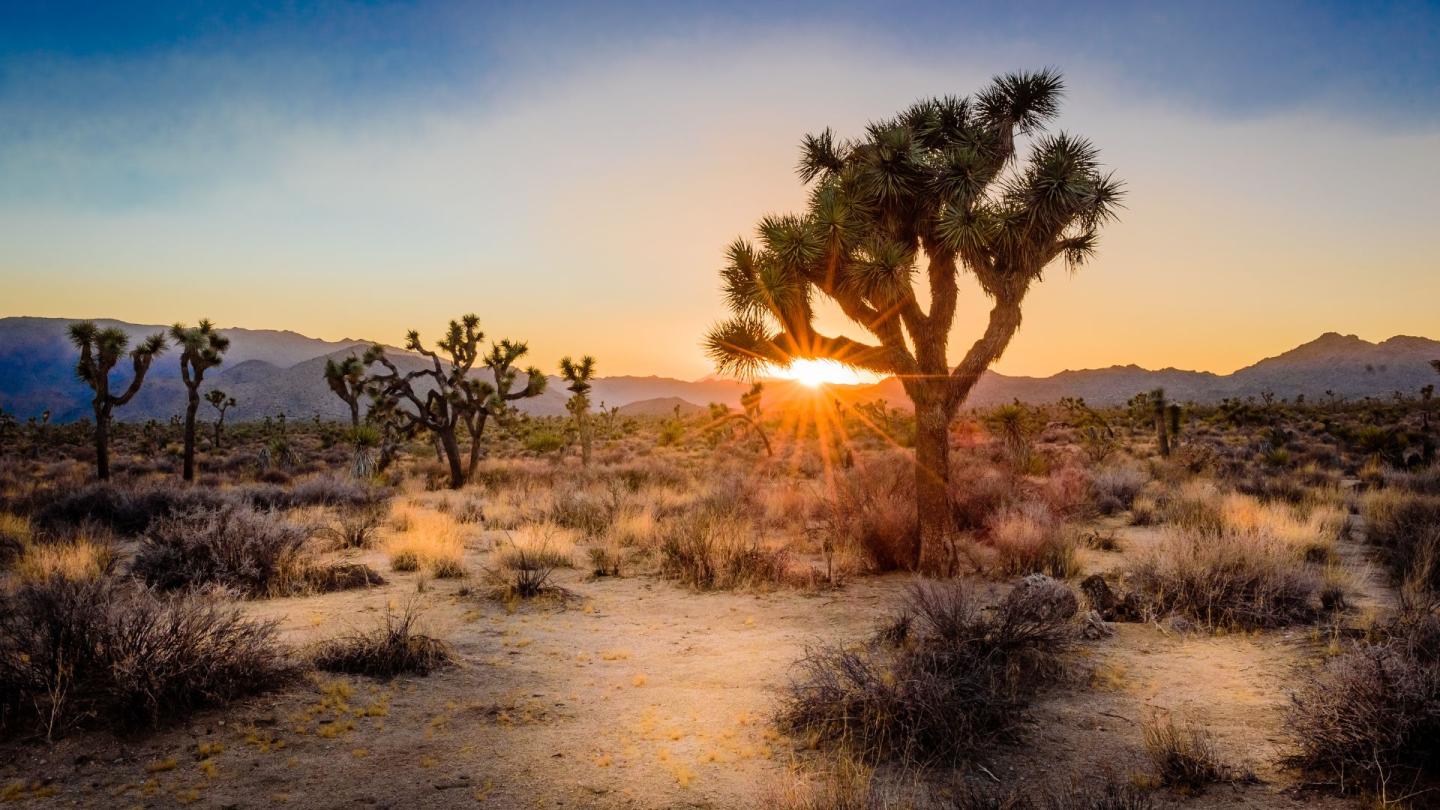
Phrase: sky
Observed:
(573, 172)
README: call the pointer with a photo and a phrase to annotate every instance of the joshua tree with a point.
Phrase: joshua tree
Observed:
(221, 404)
(578, 375)
(447, 397)
(721, 419)
(940, 184)
(100, 349)
(347, 379)
(201, 349)
(1162, 434)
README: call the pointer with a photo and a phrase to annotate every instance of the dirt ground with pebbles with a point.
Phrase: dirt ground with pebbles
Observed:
(637, 693)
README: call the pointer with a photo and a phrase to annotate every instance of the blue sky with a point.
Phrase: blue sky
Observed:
(546, 161)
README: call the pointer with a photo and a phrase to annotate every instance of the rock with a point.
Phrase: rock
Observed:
(1093, 627)
(1038, 597)
(1112, 608)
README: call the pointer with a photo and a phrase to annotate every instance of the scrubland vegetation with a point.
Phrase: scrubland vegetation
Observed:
(131, 604)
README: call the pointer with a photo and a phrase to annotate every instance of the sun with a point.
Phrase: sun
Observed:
(815, 373)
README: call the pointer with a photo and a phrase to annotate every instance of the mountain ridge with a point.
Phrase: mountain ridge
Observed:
(271, 371)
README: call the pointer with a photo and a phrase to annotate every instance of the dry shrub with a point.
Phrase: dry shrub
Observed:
(355, 526)
(709, 552)
(257, 554)
(941, 682)
(1407, 528)
(1185, 758)
(1113, 488)
(1228, 580)
(873, 512)
(584, 509)
(1370, 717)
(93, 652)
(121, 510)
(332, 491)
(978, 490)
(394, 648)
(1066, 491)
(1031, 540)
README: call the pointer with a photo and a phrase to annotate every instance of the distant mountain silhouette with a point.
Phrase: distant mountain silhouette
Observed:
(270, 372)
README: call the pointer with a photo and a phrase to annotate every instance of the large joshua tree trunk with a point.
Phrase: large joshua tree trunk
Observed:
(934, 515)
(451, 446)
(192, 407)
(102, 444)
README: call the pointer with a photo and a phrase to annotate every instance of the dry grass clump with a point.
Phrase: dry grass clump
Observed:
(707, 551)
(394, 648)
(79, 556)
(257, 554)
(941, 682)
(1406, 527)
(634, 527)
(14, 536)
(432, 541)
(1228, 580)
(1185, 758)
(545, 545)
(93, 652)
(1370, 718)
(1031, 540)
(1313, 533)
(1194, 506)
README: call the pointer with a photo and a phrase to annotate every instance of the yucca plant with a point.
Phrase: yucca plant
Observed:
(941, 184)
(444, 397)
(578, 375)
(201, 349)
(100, 349)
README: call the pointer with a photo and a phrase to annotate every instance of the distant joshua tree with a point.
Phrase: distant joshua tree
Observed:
(942, 179)
(347, 379)
(221, 403)
(443, 397)
(201, 349)
(100, 349)
(578, 375)
(1162, 433)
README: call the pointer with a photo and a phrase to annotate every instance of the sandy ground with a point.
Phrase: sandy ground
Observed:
(640, 694)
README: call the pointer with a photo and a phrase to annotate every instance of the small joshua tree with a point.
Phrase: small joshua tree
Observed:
(442, 397)
(100, 349)
(221, 403)
(201, 349)
(578, 375)
(347, 379)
